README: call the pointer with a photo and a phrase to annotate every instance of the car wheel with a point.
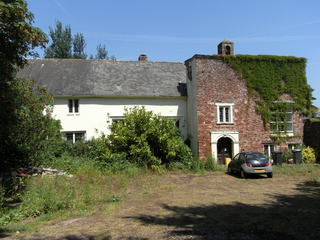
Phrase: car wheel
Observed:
(243, 174)
(229, 170)
(270, 175)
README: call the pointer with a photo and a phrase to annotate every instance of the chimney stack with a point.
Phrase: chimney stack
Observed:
(143, 58)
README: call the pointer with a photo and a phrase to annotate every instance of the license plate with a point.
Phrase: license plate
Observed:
(262, 170)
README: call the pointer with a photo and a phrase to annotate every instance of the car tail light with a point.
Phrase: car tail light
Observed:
(248, 165)
(267, 164)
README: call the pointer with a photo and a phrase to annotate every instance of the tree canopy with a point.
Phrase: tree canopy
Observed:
(78, 47)
(61, 46)
(23, 126)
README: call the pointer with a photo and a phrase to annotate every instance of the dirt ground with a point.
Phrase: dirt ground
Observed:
(209, 206)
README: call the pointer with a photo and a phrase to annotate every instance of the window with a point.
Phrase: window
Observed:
(115, 119)
(281, 121)
(75, 136)
(73, 105)
(294, 145)
(224, 113)
(268, 149)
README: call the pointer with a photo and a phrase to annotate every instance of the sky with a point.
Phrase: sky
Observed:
(176, 30)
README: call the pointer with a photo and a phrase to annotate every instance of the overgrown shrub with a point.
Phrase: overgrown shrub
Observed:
(148, 139)
(34, 136)
(196, 165)
(95, 148)
(308, 155)
(287, 155)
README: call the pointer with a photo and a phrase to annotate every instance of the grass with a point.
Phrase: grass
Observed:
(46, 199)
(299, 171)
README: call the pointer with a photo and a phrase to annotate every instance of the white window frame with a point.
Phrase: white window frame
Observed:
(269, 150)
(224, 106)
(294, 145)
(115, 118)
(289, 121)
(73, 110)
(74, 135)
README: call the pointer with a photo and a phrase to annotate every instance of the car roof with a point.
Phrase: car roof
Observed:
(249, 152)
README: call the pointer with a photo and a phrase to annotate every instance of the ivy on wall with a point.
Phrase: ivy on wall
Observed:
(269, 77)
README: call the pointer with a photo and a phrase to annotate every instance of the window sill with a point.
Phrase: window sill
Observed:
(289, 134)
(73, 114)
(225, 123)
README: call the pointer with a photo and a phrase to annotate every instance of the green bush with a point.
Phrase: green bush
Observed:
(148, 139)
(34, 136)
(95, 148)
(308, 155)
(287, 155)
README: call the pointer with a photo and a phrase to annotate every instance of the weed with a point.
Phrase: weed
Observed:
(113, 199)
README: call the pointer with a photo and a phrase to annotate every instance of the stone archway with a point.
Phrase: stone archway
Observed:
(218, 134)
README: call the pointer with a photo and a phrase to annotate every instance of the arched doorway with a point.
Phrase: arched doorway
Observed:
(232, 135)
(224, 149)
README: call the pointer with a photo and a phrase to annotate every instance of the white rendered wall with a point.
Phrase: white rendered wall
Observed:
(93, 113)
(192, 108)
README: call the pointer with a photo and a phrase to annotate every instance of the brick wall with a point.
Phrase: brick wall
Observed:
(217, 82)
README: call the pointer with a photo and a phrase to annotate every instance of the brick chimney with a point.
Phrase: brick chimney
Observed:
(143, 58)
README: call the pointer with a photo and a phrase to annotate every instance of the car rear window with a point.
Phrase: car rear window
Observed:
(256, 156)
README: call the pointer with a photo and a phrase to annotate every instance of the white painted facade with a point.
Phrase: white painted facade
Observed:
(192, 107)
(97, 113)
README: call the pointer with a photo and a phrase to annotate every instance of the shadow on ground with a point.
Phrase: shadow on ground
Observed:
(287, 217)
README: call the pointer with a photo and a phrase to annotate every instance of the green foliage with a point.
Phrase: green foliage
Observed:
(78, 47)
(50, 195)
(36, 135)
(2, 195)
(102, 53)
(148, 139)
(308, 155)
(287, 155)
(269, 77)
(196, 165)
(61, 46)
(23, 126)
(62, 43)
(18, 38)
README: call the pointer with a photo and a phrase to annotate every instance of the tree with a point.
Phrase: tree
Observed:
(17, 38)
(101, 52)
(78, 47)
(23, 126)
(37, 135)
(61, 46)
(148, 139)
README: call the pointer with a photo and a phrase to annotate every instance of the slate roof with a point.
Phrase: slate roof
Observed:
(102, 78)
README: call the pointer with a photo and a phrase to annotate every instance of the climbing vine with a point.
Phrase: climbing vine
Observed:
(268, 78)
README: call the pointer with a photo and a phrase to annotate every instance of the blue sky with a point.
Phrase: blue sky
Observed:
(175, 30)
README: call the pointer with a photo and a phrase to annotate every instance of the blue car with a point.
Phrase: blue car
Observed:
(247, 163)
